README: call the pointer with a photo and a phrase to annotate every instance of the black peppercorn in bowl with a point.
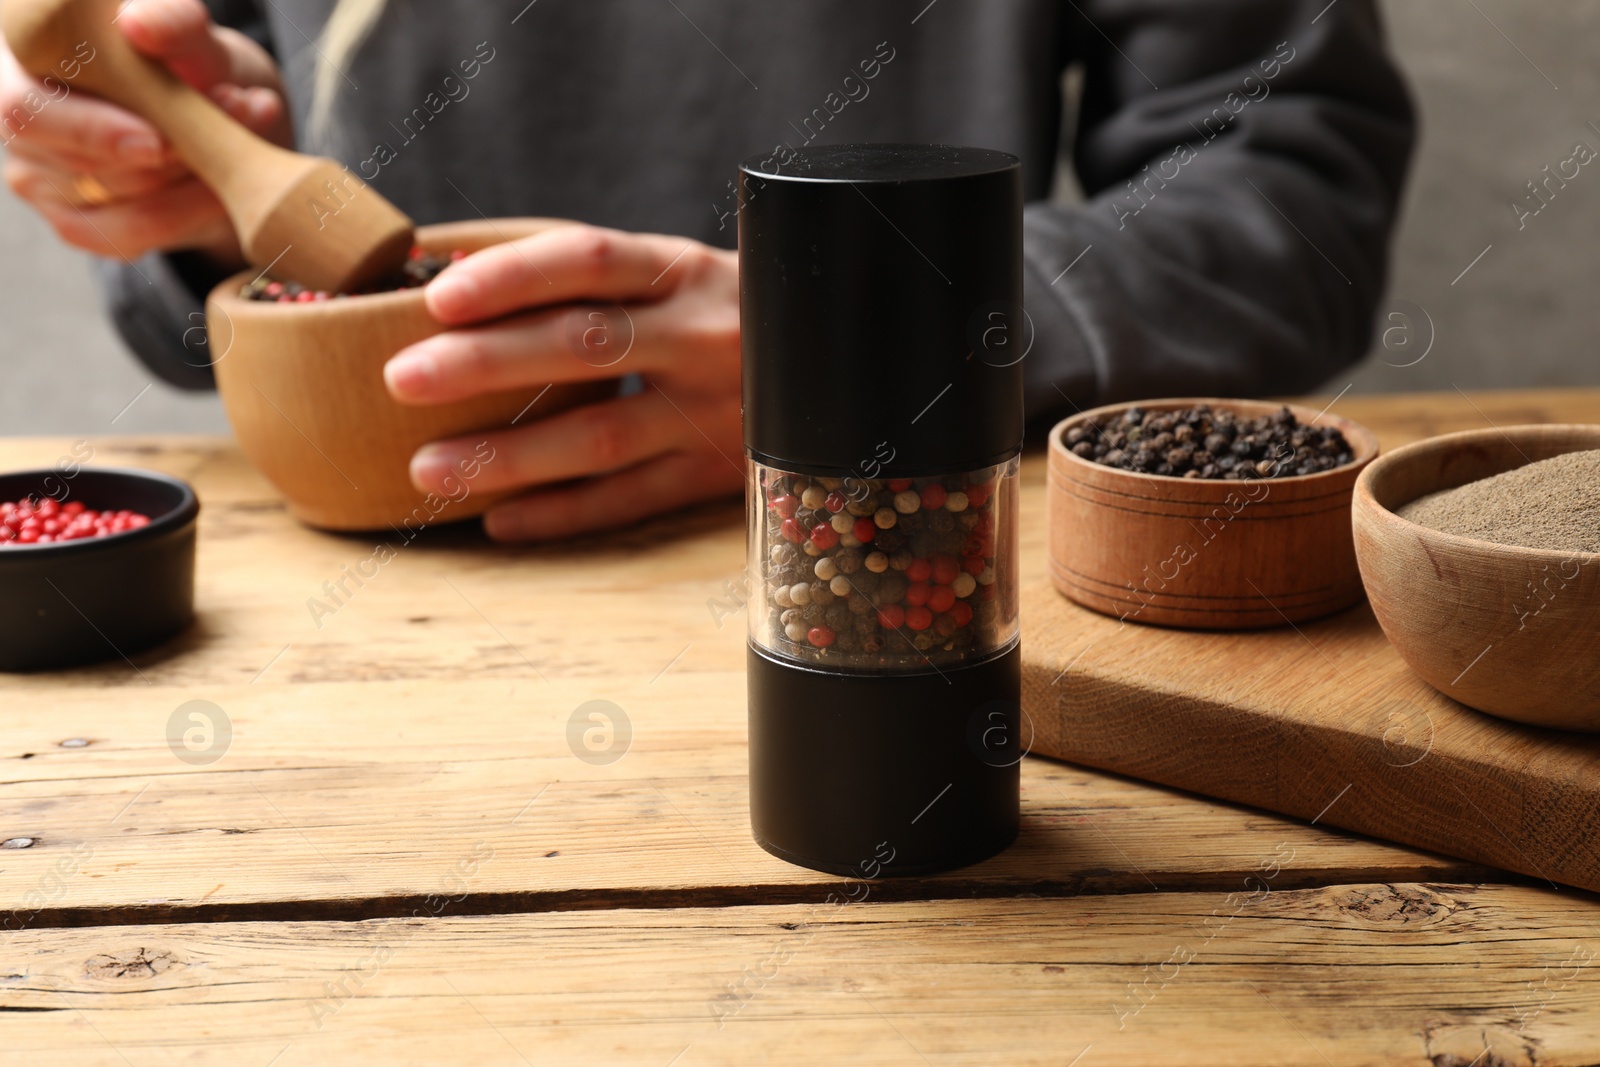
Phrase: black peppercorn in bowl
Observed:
(65, 603)
(1240, 540)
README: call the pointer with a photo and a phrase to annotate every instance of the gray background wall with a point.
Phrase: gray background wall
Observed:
(1499, 99)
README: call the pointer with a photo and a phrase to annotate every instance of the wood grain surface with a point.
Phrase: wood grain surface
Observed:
(402, 775)
(1354, 975)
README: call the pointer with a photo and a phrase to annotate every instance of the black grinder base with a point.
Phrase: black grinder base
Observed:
(887, 775)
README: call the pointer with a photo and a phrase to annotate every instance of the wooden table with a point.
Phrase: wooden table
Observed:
(408, 852)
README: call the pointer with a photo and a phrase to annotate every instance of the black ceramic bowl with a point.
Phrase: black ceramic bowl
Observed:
(68, 603)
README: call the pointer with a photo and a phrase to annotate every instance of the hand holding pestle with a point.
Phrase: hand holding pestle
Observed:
(301, 218)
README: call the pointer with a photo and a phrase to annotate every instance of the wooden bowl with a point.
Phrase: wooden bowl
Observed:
(1508, 630)
(1204, 554)
(303, 387)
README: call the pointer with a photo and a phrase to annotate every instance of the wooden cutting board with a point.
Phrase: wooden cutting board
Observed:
(1323, 721)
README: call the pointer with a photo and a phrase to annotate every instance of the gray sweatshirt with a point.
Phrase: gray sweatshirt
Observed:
(1241, 159)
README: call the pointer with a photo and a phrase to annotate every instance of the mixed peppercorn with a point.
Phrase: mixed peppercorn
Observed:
(1202, 442)
(421, 268)
(29, 521)
(883, 572)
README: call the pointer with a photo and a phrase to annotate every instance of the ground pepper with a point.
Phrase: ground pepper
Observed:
(1552, 504)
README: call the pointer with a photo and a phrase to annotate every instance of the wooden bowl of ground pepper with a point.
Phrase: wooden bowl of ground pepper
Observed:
(301, 378)
(1205, 513)
(1481, 556)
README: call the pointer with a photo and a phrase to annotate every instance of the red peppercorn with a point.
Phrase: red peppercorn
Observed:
(865, 530)
(945, 569)
(824, 536)
(991, 591)
(919, 618)
(48, 521)
(920, 570)
(820, 636)
(791, 531)
(835, 502)
(941, 598)
(961, 612)
(978, 495)
(973, 563)
(933, 496)
(899, 485)
(917, 593)
(891, 616)
(785, 505)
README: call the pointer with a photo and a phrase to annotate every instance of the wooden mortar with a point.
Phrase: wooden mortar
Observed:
(303, 387)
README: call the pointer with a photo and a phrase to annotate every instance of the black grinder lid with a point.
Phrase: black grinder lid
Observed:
(881, 292)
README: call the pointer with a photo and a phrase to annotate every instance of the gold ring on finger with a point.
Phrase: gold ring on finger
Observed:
(91, 191)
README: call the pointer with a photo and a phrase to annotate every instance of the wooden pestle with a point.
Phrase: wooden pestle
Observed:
(301, 218)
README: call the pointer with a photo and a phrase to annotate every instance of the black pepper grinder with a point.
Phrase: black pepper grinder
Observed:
(882, 342)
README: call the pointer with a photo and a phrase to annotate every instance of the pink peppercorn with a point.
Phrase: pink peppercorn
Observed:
(48, 521)
(820, 636)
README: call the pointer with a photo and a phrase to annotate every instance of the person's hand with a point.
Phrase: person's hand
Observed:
(102, 177)
(606, 464)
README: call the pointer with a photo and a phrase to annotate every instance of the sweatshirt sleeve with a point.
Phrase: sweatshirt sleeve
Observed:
(1242, 164)
(157, 304)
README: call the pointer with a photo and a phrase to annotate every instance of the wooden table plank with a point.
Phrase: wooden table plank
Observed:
(1353, 975)
(352, 800)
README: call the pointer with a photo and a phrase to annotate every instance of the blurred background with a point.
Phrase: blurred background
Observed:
(1504, 88)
